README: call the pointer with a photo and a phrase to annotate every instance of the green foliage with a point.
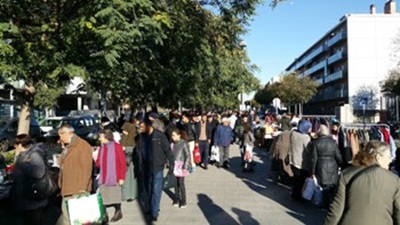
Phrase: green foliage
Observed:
(293, 89)
(264, 95)
(392, 83)
(140, 51)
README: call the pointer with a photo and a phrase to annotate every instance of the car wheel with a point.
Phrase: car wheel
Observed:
(4, 145)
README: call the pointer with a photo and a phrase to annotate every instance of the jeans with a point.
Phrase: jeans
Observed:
(155, 187)
(224, 154)
(180, 191)
(204, 151)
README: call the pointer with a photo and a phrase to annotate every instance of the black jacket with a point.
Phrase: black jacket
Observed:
(159, 153)
(325, 159)
(190, 130)
(208, 130)
(29, 166)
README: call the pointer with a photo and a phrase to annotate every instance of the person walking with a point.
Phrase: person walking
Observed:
(130, 187)
(367, 193)
(182, 156)
(299, 157)
(156, 152)
(223, 139)
(325, 161)
(204, 130)
(190, 129)
(29, 166)
(76, 164)
(157, 123)
(112, 164)
(248, 146)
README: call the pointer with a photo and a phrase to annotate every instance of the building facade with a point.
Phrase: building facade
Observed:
(349, 62)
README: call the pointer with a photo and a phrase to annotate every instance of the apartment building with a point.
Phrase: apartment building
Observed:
(357, 52)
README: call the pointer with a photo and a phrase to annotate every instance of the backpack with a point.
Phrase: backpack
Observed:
(44, 187)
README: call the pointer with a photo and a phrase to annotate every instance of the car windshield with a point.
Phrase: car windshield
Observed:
(51, 123)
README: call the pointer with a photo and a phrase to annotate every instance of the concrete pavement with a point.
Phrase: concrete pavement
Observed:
(230, 197)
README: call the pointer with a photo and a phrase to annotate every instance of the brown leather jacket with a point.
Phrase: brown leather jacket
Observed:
(76, 168)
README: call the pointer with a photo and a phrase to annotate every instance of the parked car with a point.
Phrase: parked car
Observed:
(85, 126)
(9, 129)
(50, 124)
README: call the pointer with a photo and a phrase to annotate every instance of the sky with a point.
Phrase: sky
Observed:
(278, 36)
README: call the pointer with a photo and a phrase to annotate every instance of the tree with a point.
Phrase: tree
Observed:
(264, 95)
(34, 46)
(292, 89)
(392, 83)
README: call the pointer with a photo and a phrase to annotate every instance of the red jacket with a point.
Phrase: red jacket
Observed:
(120, 161)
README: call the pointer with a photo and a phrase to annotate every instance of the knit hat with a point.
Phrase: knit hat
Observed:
(304, 126)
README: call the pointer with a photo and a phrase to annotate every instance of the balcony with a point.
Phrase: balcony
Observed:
(315, 68)
(326, 95)
(336, 57)
(334, 76)
(314, 53)
(335, 39)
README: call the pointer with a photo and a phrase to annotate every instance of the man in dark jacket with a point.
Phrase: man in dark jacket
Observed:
(204, 131)
(156, 152)
(223, 138)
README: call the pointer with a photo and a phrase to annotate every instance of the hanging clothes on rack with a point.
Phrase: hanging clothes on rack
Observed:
(353, 137)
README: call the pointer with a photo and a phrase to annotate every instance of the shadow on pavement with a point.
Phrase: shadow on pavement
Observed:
(245, 217)
(215, 214)
(261, 181)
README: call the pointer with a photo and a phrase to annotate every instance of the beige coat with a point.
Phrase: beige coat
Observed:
(76, 168)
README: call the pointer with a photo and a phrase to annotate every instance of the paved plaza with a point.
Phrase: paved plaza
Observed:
(230, 197)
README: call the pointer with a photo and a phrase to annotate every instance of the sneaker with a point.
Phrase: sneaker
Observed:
(176, 204)
(184, 206)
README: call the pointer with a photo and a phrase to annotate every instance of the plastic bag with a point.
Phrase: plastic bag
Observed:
(309, 188)
(214, 154)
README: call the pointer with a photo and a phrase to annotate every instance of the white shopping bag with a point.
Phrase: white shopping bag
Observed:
(309, 188)
(214, 154)
(86, 209)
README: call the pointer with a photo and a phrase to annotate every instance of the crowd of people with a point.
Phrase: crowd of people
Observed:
(360, 189)
(130, 161)
(135, 152)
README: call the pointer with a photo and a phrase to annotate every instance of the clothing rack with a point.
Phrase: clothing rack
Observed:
(317, 116)
(364, 125)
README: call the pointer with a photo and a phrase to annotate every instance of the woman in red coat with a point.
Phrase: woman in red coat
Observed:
(112, 164)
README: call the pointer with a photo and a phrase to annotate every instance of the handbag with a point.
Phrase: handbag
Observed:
(42, 188)
(86, 209)
(179, 171)
(169, 181)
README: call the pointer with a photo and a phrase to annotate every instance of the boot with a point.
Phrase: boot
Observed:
(117, 216)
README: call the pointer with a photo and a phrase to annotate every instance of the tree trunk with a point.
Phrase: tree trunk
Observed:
(25, 114)
(24, 119)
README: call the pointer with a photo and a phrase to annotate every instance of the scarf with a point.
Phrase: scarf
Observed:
(111, 173)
